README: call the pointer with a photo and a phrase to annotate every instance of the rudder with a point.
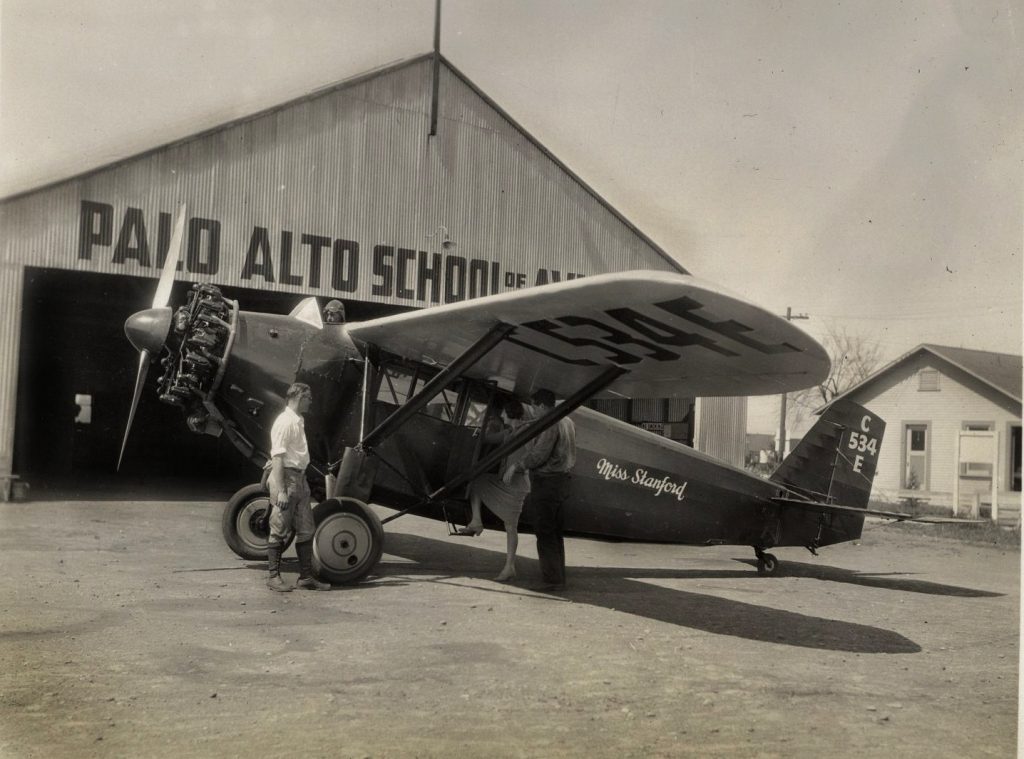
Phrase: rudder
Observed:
(836, 460)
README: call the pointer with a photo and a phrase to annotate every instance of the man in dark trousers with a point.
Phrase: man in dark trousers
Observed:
(550, 462)
(289, 492)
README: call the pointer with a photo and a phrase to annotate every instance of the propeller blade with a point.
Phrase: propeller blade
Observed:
(140, 380)
(163, 287)
(149, 328)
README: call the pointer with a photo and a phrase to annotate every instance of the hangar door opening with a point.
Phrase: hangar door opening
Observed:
(76, 375)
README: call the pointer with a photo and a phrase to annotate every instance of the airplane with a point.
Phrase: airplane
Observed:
(399, 403)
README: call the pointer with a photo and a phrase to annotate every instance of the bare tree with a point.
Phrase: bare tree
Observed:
(854, 359)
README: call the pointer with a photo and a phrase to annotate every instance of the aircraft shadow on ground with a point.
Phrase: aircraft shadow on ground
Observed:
(889, 581)
(620, 589)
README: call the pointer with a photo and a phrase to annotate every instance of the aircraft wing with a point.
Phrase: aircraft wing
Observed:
(831, 508)
(676, 336)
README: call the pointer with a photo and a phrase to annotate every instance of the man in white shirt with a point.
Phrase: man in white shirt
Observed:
(289, 492)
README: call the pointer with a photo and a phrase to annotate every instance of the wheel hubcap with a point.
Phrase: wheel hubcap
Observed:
(343, 542)
(252, 523)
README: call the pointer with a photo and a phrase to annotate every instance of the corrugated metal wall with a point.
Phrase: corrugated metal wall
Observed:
(721, 428)
(320, 196)
(10, 335)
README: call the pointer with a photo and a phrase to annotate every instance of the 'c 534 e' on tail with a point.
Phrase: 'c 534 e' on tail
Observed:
(835, 462)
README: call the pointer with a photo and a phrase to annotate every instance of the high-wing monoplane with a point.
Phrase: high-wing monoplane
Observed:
(399, 402)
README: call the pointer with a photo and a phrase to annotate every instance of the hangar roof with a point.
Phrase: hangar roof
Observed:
(350, 82)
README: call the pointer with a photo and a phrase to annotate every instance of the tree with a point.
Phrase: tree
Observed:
(854, 359)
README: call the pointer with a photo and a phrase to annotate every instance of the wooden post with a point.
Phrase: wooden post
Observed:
(956, 474)
(995, 477)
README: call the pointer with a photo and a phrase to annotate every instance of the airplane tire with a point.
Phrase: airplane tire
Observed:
(244, 523)
(767, 565)
(348, 541)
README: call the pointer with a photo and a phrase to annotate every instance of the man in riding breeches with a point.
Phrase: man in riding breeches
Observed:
(289, 492)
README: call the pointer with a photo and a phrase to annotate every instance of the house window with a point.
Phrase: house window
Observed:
(915, 457)
(976, 468)
(928, 380)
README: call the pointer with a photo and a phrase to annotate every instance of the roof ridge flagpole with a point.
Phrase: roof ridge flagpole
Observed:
(437, 69)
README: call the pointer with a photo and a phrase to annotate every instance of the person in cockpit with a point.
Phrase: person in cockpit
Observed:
(334, 312)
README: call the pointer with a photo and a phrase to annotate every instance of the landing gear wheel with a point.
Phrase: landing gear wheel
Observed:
(245, 523)
(767, 564)
(348, 541)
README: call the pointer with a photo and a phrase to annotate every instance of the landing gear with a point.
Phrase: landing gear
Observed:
(245, 523)
(348, 541)
(767, 564)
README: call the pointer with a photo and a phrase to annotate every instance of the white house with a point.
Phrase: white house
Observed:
(953, 428)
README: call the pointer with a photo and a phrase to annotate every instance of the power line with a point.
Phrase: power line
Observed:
(923, 315)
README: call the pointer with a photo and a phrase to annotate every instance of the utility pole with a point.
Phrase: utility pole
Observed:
(790, 316)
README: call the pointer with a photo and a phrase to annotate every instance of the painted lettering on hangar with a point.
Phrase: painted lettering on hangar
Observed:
(312, 261)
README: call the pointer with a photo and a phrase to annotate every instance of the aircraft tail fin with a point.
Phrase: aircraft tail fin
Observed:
(836, 460)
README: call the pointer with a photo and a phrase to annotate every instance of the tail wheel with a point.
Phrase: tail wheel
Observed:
(348, 541)
(767, 565)
(245, 522)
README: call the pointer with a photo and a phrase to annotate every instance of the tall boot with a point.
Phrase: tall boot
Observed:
(306, 580)
(274, 581)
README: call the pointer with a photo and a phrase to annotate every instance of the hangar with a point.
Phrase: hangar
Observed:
(397, 189)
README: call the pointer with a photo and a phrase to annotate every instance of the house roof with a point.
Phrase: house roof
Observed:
(1000, 371)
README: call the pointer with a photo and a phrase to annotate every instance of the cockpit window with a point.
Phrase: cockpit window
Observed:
(476, 402)
(443, 405)
(464, 402)
(396, 385)
(399, 383)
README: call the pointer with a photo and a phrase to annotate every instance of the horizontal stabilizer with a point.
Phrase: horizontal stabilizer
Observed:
(832, 508)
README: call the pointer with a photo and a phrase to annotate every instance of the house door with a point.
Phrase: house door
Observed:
(916, 455)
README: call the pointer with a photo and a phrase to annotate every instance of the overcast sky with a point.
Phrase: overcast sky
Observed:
(860, 162)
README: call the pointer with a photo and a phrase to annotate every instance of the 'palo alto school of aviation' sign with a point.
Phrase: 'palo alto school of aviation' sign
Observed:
(311, 261)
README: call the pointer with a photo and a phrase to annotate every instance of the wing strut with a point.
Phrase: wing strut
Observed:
(469, 357)
(570, 404)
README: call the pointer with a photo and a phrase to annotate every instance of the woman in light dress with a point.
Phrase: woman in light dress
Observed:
(503, 492)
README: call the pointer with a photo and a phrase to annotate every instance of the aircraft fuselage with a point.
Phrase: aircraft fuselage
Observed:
(628, 484)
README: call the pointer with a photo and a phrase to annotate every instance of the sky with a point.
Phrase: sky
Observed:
(857, 162)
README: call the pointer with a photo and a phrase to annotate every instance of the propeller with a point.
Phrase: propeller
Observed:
(147, 330)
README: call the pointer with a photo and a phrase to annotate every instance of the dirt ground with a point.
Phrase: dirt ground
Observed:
(130, 630)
